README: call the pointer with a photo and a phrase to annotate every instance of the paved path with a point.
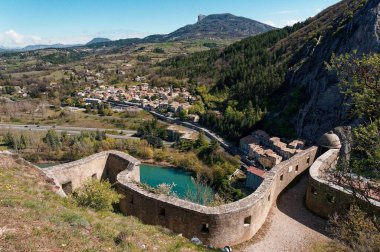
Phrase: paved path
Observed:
(70, 130)
(289, 226)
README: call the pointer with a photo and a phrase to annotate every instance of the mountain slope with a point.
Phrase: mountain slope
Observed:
(217, 26)
(97, 40)
(283, 71)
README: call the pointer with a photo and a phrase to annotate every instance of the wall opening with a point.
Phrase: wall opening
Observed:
(67, 187)
(282, 177)
(94, 177)
(330, 198)
(269, 197)
(247, 221)
(308, 160)
(313, 190)
(131, 200)
(296, 168)
(205, 228)
(162, 212)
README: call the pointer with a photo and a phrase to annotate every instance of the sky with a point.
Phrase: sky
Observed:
(27, 22)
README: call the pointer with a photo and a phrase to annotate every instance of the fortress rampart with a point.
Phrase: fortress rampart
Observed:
(228, 224)
(323, 197)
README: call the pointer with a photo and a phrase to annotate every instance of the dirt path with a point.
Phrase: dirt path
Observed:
(290, 226)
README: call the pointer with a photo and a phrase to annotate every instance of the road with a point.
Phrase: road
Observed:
(125, 134)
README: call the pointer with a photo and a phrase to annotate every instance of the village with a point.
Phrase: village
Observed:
(266, 152)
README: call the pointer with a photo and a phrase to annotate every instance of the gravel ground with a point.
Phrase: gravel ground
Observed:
(290, 226)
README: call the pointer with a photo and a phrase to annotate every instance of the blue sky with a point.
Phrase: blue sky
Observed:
(24, 22)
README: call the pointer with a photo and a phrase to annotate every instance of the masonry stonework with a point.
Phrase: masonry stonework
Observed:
(228, 224)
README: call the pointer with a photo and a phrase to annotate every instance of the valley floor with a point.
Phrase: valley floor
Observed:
(290, 226)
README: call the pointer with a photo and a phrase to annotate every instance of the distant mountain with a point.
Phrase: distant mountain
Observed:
(38, 47)
(222, 26)
(284, 72)
(98, 40)
(216, 26)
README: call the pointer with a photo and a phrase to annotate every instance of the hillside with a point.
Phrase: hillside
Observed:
(282, 72)
(34, 218)
(97, 40)
(216, 26)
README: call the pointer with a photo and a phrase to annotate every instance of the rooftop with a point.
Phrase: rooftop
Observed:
(256, 171)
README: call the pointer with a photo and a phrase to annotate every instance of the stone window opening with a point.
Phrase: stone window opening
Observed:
(330, 198)
(313, 190)
(247, 221)
(282, 177)
(269, 197)
(94, 177)
(308, 160)
(162, 212)
(296, 168)
(67, 187)
(131, 200)
(205, 228)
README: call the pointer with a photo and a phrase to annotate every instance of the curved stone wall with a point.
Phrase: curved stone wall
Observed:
(323, 197)
(228, 224)
(103, 165)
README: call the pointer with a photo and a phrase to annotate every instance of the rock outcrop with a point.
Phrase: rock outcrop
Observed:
(326, 106)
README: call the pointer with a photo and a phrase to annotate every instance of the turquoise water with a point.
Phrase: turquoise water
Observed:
(184, 188)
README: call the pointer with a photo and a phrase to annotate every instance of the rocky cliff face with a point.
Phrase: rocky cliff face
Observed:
(325, 107)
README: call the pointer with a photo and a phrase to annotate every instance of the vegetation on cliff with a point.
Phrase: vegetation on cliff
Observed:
(253, 73)
(359, 76)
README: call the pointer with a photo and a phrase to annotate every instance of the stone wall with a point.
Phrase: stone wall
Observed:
(103, 165)
(228, 224)
(323, 197)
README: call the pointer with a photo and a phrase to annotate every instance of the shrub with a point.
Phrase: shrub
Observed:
(98, 195)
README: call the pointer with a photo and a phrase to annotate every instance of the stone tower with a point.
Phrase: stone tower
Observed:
(200, 17)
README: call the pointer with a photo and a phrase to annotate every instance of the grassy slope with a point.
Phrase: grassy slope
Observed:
(33, 218)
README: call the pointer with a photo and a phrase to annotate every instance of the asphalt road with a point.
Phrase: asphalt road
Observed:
(126, 134)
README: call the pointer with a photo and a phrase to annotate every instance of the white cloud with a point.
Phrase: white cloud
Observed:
(271, 23)
(291, 22)
(12, 38)
(18, 39)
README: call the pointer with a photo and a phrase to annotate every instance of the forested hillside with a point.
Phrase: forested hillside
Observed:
(254, 80)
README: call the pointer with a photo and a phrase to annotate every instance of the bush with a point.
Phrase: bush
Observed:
(98, 195)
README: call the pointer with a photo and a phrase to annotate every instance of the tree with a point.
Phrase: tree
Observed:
(52, 139)
(359, 78)
(96, 194)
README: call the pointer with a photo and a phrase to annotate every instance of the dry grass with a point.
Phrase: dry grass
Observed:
(34, 218)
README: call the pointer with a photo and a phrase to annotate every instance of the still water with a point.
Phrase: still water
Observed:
(184, 187)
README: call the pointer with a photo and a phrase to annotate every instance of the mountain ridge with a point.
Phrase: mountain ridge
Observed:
(283, 71)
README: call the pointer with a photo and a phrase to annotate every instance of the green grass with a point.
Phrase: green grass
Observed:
(33, 218)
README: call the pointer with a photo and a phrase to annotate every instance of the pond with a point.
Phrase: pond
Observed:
(184, 186)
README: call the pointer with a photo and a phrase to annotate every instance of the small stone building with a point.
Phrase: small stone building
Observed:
(254, 177)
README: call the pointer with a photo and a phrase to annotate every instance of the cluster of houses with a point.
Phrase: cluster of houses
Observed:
(167, 100)
(14, 90)
(267, 152)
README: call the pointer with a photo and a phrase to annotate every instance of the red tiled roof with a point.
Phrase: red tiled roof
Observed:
(256, 171)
